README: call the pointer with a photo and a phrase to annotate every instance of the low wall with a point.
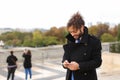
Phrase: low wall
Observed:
(111, 62)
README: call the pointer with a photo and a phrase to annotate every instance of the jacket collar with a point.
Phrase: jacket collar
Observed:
(84, 38)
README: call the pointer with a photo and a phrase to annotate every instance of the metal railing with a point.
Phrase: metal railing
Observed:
(111, 47)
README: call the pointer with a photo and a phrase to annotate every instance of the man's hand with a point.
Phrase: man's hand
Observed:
(73, 66)
(66, 63)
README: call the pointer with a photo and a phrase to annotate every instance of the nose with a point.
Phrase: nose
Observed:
(72, 33)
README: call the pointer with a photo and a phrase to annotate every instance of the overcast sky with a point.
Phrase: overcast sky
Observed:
(48, 13)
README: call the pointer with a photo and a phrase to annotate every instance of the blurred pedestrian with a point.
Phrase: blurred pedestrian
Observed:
(11, 60)
(27, 64)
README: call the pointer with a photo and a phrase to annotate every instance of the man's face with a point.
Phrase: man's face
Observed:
(76, 33)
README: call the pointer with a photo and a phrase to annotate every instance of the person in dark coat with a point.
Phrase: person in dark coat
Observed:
(11, 60)
(82, 53)
(27, 63)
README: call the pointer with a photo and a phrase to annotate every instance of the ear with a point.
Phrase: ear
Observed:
(82, 28)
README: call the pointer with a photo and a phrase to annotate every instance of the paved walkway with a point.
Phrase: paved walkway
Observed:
(52, 70)
(41, 71)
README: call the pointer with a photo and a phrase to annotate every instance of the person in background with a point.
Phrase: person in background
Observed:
(11, 60)
(27, 63)
(82, 53)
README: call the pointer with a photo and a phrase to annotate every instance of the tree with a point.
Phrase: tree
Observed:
(28, 41)
(93, 30)
(51, 32)
(37, 38)
(106, 37)
(118, 35)
(102, 28)
(49, 40)
(16, 42)
(9, 36)
(59, 33)
(114, 31)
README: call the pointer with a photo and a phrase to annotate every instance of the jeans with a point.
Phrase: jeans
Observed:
(28, 71)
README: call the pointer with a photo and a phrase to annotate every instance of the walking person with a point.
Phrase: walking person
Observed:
(27, 64)
(11, 60)
(82, 53)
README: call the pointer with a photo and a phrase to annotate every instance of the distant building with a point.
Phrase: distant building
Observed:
(3, 30)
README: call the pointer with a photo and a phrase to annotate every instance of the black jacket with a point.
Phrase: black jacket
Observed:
(87, 53)
(11, 60)
(27, 61)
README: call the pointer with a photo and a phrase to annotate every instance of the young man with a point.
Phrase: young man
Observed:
(82, 53)
(11, 60)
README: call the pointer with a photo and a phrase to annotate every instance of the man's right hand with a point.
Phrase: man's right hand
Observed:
(66, 63)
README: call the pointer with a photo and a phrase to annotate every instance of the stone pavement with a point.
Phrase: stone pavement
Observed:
(52, 70)
(40, 71)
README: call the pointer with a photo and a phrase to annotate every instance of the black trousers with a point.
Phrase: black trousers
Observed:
(11, 71)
